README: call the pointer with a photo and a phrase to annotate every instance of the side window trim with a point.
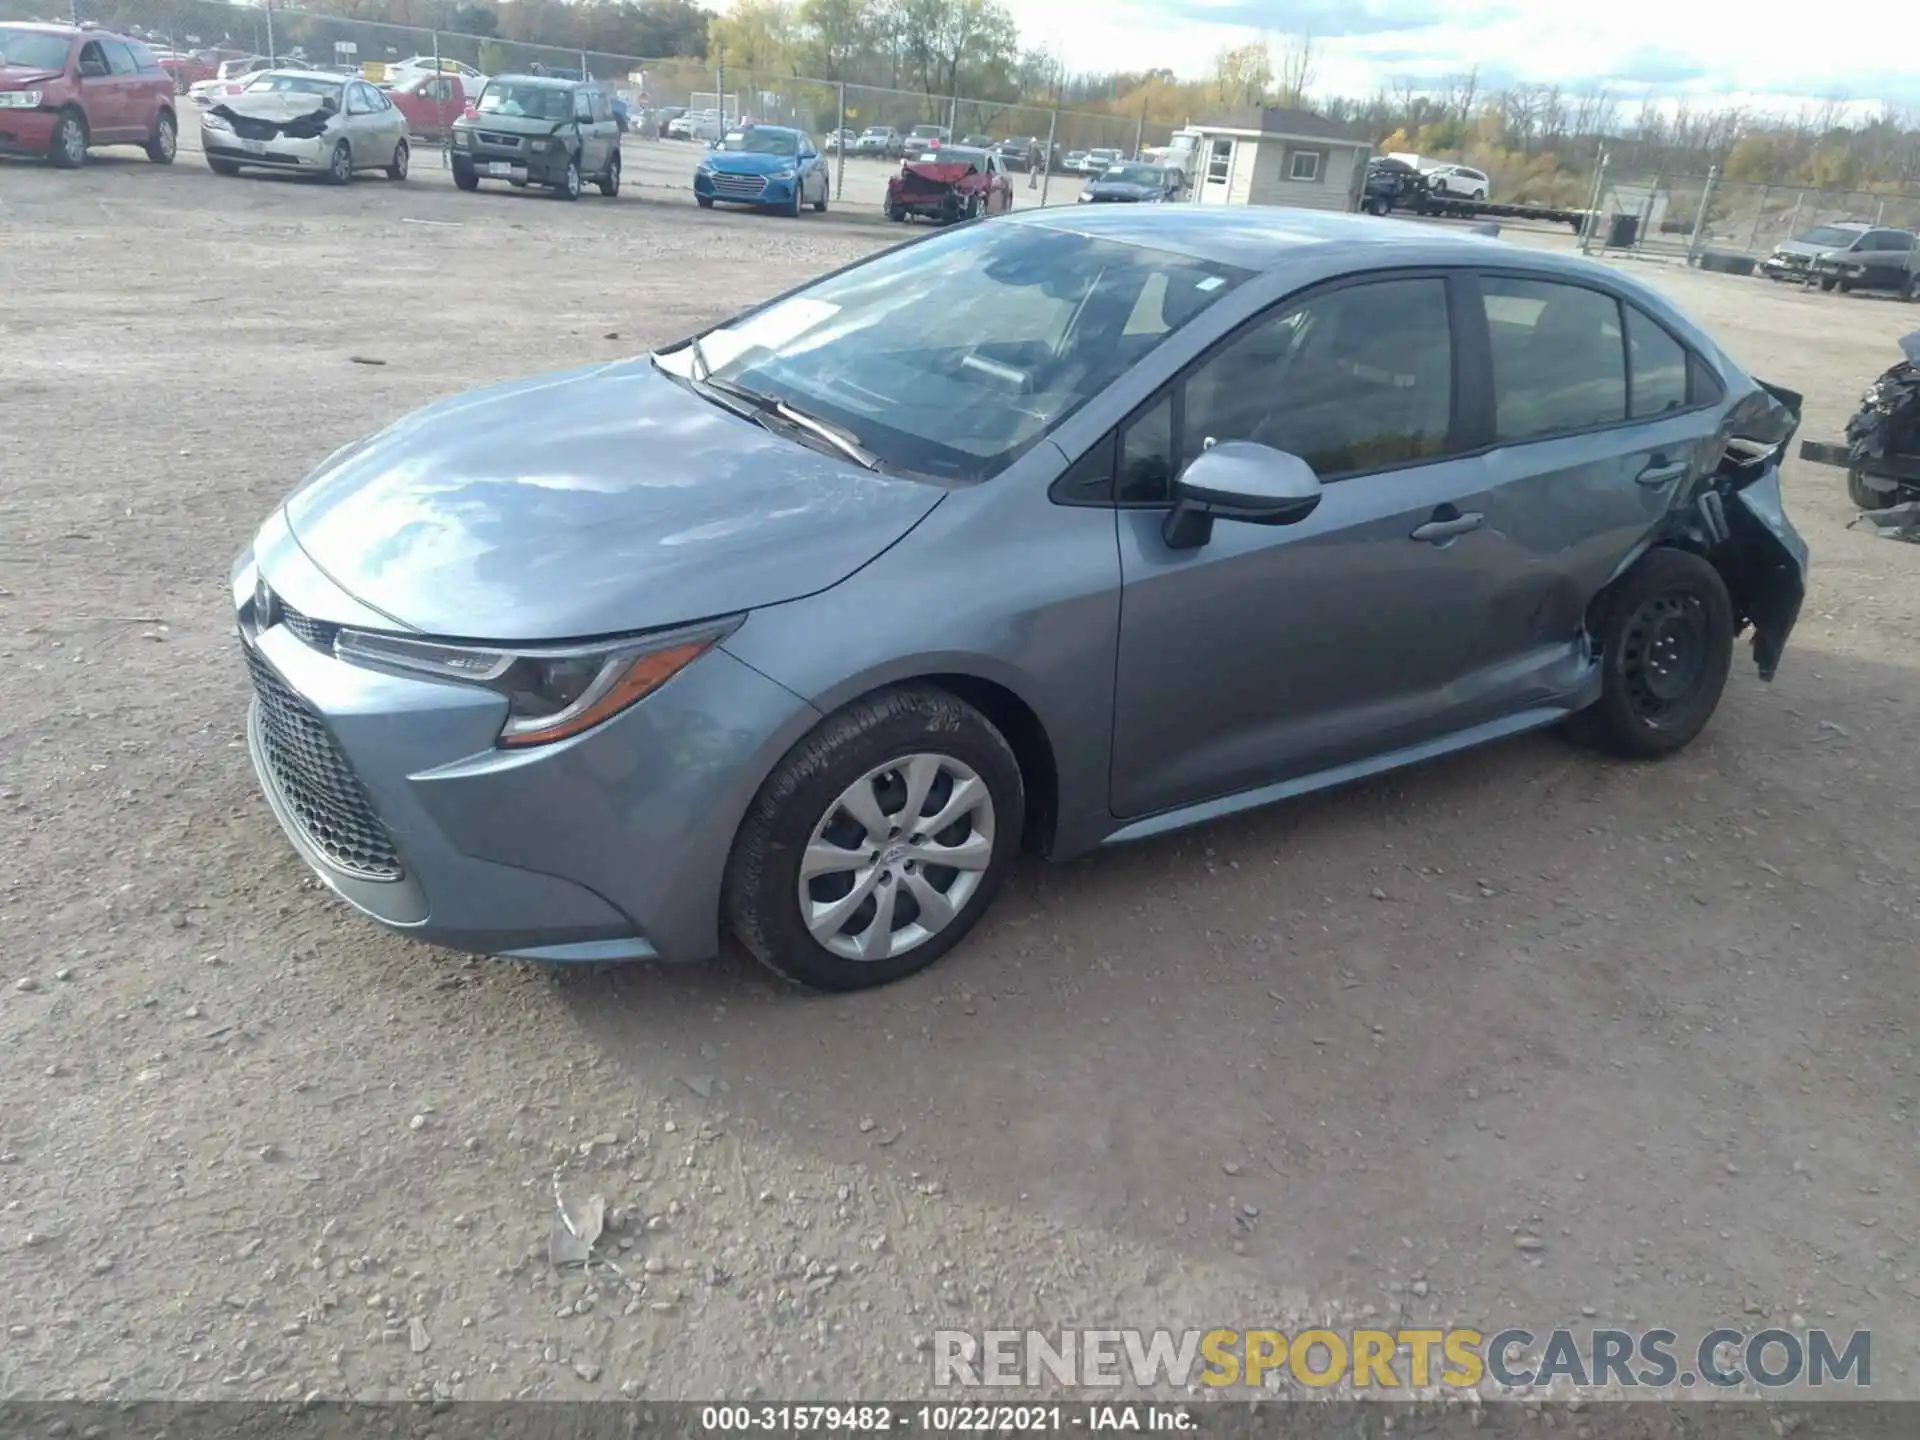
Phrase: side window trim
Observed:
(1461, 426)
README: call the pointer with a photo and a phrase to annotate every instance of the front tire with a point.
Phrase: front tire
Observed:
(465, 177)
(69, 150)
(567, 187)
(837, 879)
(401, 156)
(1665, 634)
(166, 140)
(610, 182)
(1865, 497)
(705, 202)
(340, 165)
(222, 167)
(820, 205)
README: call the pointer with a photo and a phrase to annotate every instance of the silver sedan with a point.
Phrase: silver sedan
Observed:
(309, 121)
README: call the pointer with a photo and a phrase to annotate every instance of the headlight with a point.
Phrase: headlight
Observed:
(703, 168)
(786, 174)
(461, 139)
(554, 692)
(537, 145)
(210, 121)
(21, 99)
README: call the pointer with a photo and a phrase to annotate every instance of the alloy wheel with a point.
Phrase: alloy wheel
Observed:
(897, 857)
(73, 141)
(1664, 655)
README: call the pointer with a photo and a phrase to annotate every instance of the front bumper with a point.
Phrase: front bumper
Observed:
(26, 132)
(744, 189)
(519, 163)
(608, 846)
(1786, 267)
(280, 153)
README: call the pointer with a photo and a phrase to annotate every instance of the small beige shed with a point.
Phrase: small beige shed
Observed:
(1274, 156)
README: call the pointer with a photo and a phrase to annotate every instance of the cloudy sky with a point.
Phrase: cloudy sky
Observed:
(1695, 48)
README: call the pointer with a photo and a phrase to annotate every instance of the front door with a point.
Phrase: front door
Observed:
(593, 145)
(1216, 179)
(1274, 652)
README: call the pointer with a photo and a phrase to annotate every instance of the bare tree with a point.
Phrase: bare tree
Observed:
(1298, 67)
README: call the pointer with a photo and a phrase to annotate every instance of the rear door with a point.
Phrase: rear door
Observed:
(1598, 420)
(133, 116)
(103, 96)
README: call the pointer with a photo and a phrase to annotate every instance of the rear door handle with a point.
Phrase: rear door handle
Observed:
(1658, 472)
(1440, 530)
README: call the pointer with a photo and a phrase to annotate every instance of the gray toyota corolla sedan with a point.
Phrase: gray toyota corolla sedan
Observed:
(1053, 531)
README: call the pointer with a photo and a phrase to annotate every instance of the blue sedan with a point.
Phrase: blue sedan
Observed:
(770, 167)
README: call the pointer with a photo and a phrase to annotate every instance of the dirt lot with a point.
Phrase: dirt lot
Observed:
(1325, 1061)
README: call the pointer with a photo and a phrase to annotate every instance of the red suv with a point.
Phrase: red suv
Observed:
(64, 88)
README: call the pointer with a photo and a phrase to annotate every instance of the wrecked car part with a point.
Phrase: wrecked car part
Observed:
(1882, 451)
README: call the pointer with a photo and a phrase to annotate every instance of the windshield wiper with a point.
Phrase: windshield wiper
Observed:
(767, 409)
(845, 443)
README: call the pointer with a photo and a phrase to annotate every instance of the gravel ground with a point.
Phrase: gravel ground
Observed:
(1522, 1037)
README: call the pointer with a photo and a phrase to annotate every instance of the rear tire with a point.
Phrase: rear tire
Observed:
(1665, 634)
(877, 749)
(69, 148)
(401, 156)
(166, 139)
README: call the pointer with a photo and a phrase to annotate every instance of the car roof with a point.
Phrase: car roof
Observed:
(46, 27)
(295, 72)
(558, 82)
(1264, 239)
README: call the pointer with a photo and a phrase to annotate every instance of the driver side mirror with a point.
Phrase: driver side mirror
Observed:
(1239, 480)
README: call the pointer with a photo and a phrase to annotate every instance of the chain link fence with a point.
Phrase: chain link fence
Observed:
(1048, 149)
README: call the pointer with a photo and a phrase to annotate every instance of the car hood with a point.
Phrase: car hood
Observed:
(509, 124)
(1123, 190)
(743, 162)
(19, 77)
(592, 502)
(1807, 248)
(271, 105)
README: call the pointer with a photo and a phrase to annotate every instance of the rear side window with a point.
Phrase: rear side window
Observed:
(144, 58)
(1559, 363)
(120, 59)
(1658, 365)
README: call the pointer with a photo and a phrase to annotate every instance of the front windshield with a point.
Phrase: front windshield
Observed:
(879, 132)
(952, 357)
(764, 142)
(295, 85)
(32, 50)
(1829, 235)
(1132, 174)
(531, 102)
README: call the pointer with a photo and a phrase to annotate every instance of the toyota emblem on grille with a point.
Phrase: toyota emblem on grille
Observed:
(263, 605)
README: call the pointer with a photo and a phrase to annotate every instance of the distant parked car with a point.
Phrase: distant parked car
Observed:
(977, 142)
(1021, 152)
(927, 137)
(1882, 259)
(431, 103)
(1391, 183)
(539, 130)
(949, 184)
(772, 167)
(665, 116)
(64, 89)
(307, 121)
(838, 140)
(1457, 182)
(1794, 259)
(229, 79)
(187, 69)
(406, 72)
(881, 140)
(1130, 184)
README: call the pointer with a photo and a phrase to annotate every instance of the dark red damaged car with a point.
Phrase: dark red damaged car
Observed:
(952, 183)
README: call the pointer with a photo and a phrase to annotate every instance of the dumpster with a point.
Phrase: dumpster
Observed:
(1622, 231)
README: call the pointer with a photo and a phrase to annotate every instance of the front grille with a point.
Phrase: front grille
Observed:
(248, 128)
(320, 634)
(499, 140)
(739, 187)
(315, 784)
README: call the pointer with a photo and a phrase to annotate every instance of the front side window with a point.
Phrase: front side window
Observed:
(582, 106)
(93, 60)
(1352, 380)
(952, 357)
(1558, 361)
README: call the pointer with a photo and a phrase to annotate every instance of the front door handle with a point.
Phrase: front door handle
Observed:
(1658, 472)
(1445, 526)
